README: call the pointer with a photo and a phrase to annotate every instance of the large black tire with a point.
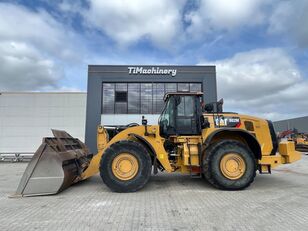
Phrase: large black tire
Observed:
(144, 166)
(213, 172)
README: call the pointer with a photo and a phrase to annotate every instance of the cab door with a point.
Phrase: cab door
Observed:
(187, 121)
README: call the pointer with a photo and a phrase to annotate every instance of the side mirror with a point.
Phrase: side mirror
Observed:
(205, 123)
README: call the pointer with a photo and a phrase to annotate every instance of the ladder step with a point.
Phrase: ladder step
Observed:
(191, 173)
(195, 171)
(264, 169)
(198, 176)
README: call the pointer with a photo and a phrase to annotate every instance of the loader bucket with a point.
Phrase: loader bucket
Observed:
(55, 166)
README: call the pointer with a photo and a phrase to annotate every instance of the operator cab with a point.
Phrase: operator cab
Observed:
(182, 114)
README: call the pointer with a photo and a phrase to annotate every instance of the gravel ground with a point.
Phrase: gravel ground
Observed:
(168, 202)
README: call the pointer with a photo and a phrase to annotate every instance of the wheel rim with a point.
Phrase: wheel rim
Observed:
(232, 166)
(125, 166)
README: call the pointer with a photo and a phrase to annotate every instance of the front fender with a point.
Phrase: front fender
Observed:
(154, 139)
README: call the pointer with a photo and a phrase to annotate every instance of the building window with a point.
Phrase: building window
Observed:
(146, 92)
(195, 87)
(133, 99)
(183, 87)
(140, 98)
(108, 98)
(120, 96)
(170, 87)
(158, 95)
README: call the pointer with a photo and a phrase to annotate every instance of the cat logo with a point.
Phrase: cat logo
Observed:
(227, 121)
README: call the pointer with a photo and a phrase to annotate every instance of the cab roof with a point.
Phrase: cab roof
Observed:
(167, 95)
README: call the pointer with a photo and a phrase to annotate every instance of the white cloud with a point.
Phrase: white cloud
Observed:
(225, 15)
(129, 21)
(264, 82)
(290, 18)
(33, 47)
(23, 68)
(20, 24)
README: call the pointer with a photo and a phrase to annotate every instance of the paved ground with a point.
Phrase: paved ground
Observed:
(169, 202)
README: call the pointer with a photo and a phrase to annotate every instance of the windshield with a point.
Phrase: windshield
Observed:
(185, 106)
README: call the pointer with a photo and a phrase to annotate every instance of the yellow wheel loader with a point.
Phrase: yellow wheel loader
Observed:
(301, 143)
(300, 139)
(191, 138)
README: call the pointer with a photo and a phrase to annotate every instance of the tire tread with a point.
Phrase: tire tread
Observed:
(134, 184)
(211, 150)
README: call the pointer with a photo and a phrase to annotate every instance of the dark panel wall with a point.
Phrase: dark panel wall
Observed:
(301, 124)
(97, 74)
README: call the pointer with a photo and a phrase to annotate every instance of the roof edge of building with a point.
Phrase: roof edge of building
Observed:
(300, 117)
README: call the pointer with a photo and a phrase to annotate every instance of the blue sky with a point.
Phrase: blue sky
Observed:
(258, 46)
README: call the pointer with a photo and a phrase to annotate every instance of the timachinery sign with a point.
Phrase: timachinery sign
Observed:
(151, 71)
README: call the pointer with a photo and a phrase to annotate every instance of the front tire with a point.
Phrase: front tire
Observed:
(229, 165)
(125, 166)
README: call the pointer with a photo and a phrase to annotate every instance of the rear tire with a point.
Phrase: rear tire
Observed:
(229, 165)
(136, 172)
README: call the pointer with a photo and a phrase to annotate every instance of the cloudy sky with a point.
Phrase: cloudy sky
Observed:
(260, 47)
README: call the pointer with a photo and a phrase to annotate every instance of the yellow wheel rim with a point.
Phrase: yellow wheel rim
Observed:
(232, 166)
(125, 166)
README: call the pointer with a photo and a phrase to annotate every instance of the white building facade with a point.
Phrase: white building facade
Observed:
(27, 117)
